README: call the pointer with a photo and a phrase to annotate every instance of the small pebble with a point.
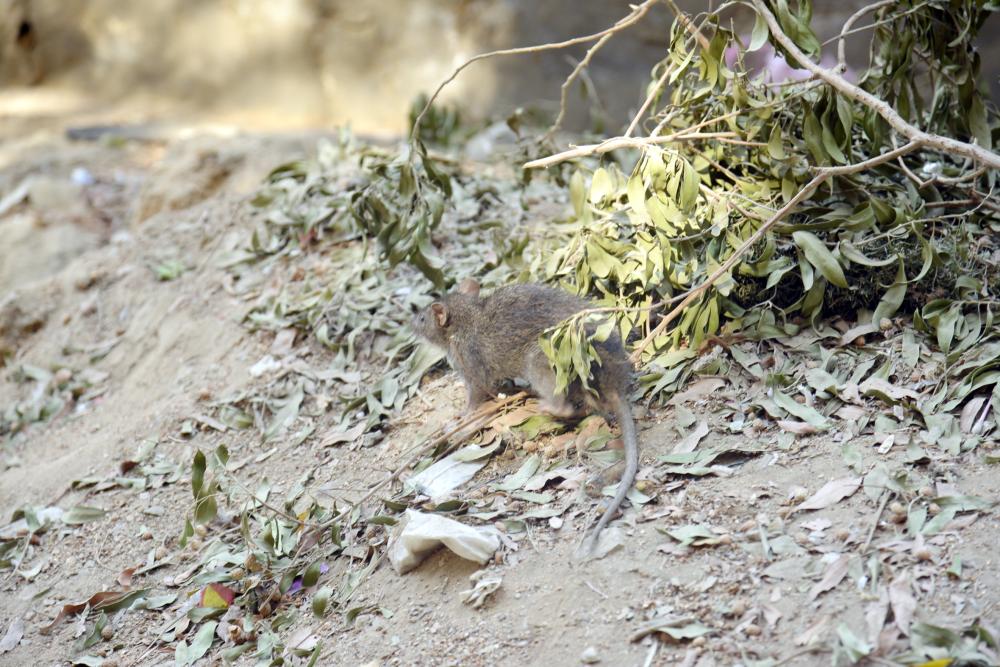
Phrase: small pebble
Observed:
(752, 630)
(107, 632)
(589, 656)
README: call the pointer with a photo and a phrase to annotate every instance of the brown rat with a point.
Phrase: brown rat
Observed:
(494, 339)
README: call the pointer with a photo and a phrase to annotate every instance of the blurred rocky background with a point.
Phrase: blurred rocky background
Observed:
(298, 63)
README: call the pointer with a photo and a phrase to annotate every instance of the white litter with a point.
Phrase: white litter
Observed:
(421, 534)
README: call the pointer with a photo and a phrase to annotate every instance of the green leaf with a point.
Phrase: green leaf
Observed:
(286, 415)
(694, 535)
(600, 261)
(202, 641)
(800, 410)
(636, 192)
(774, 147)
(205, 509)
(759, 35)
(812, 133)
(820, 256)
(855, 647)
(689, 188)
(321, 601)
(311, 576)
(978, 123)
(946, 327)
(893, 297)
(80, 514)
(601, 187)
(830, 144)
(197, 473)
(521, 477)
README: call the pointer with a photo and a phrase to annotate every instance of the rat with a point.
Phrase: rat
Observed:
(492, 340)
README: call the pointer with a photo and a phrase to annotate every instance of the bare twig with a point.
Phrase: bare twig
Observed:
(564, 89)
(636, 14)
(625, 142)
(878, 515)
(846, 29)
(881, 107)
(689, 26)
(649, 100)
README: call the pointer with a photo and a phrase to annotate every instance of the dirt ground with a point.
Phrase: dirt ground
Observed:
(79, 289)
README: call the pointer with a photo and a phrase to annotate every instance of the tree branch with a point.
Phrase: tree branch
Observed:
(637, 13)
(846, 29)
(623, 142)
(882, 108)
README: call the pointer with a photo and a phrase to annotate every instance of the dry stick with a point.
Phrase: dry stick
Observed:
(881, 107)
(637, 13)
(564, 89)
(878, 515)
(629, 142)
(841, 43)
(649, 100)
(689, 26)
(804, 193)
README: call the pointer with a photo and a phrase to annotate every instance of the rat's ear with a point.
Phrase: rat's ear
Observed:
(440, 314)
(469, 286)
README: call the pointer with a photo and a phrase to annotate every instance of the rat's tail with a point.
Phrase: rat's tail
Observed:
(623, 412)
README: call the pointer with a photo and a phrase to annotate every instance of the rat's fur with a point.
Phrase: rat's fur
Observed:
(494, 339)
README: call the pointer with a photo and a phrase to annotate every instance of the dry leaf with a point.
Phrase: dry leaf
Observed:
(771, 614)
(125, 577)
(970, 411)
(814, 633)
(691, 440)
(13, 636)
(834, 574)
(850, 413)
(832, 492)
(861, 330)
(876, 614)
(903, 603)
(796, 427)
(699, 389)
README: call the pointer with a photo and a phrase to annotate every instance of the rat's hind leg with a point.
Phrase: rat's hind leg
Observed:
(542, 379)
(475, 396)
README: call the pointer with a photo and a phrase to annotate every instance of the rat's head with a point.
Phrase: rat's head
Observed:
(435, 322)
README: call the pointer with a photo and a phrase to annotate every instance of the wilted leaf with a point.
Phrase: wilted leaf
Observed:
(820, 256)
(834, 574)
(80, 514)
(15, 631)
(831, 493)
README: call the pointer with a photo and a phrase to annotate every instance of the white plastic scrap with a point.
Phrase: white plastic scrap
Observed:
(485, 583)
(423, 533)
(443, 477)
